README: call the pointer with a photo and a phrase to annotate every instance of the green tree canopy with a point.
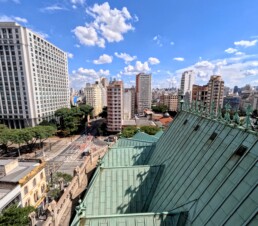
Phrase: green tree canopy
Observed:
(151, 130)
(160, 108)
(16, 216)
(129, 131)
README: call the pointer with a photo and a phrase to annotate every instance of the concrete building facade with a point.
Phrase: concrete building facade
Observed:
(215, 92)
(33, 77)
(22, 182)
(143, 92)
(170, 100)
(187, 81)
(93, 97)
(115, 106)
(127, 104)
(200, 93)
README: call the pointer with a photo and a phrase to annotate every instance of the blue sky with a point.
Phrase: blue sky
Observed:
(122, 38)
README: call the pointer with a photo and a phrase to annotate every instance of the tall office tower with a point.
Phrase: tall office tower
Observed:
(215, 92)
(33, 77)
(115, 108)
(143, 92)
(93, 97)
(132, 90)
(170, 100)
(127, 104)
(104, 84)
(187, 81)
(200, 93)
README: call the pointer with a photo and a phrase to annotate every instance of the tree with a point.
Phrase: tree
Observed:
(5, 137)
(151, 130)
(42, 133)
(129, 131)
(27, 135)
(86, 109)
(16, 216)
(160, 108)
(103, 114)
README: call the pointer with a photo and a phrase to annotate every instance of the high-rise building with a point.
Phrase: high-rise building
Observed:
(104, 84)
(132, 90)
(170, 100)
(33, 77)
(127, 104)
(115, 109)
(200, 93)
(215, 92)
(187, 81)
(93, 97)
(143, 92)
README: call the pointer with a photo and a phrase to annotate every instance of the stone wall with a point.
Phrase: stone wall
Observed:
(80, 178)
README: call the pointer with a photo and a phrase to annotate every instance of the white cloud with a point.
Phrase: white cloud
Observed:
(157, 40)
(153, 60)
(77, 46)
(104, 59)
(179, 58)
(109, 24)
(172, 43)
(88, 36)
(231, 50)
(52, 8)
(246, 43)
(81, 2)
(81, 76)
(251, 72)
(4, 18)
(239, 53)
(138, 68)
(126, 57)
(69, 55)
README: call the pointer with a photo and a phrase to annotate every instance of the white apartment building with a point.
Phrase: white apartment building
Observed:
(33, 77)
(104, 84)
(115, 106)
(93, 97)
(186, 88)
(127, 104)
(143, 92)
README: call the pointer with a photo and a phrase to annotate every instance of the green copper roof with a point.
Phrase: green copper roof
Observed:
(121, 190)
(144, 137)
(206, 167)
(147, 219)
(128, 156)
(158, 134)
(125, 142)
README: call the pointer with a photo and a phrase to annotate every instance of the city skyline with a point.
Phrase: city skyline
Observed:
(121, 39)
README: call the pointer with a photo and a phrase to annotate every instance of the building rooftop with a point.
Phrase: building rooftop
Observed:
(203, 169)
(23, 169)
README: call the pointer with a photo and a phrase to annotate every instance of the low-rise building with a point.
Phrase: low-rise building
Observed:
(22, 182)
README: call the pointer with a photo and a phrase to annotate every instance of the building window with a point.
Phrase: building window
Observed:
(34, 182)
(41, 175)
(25, 190)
